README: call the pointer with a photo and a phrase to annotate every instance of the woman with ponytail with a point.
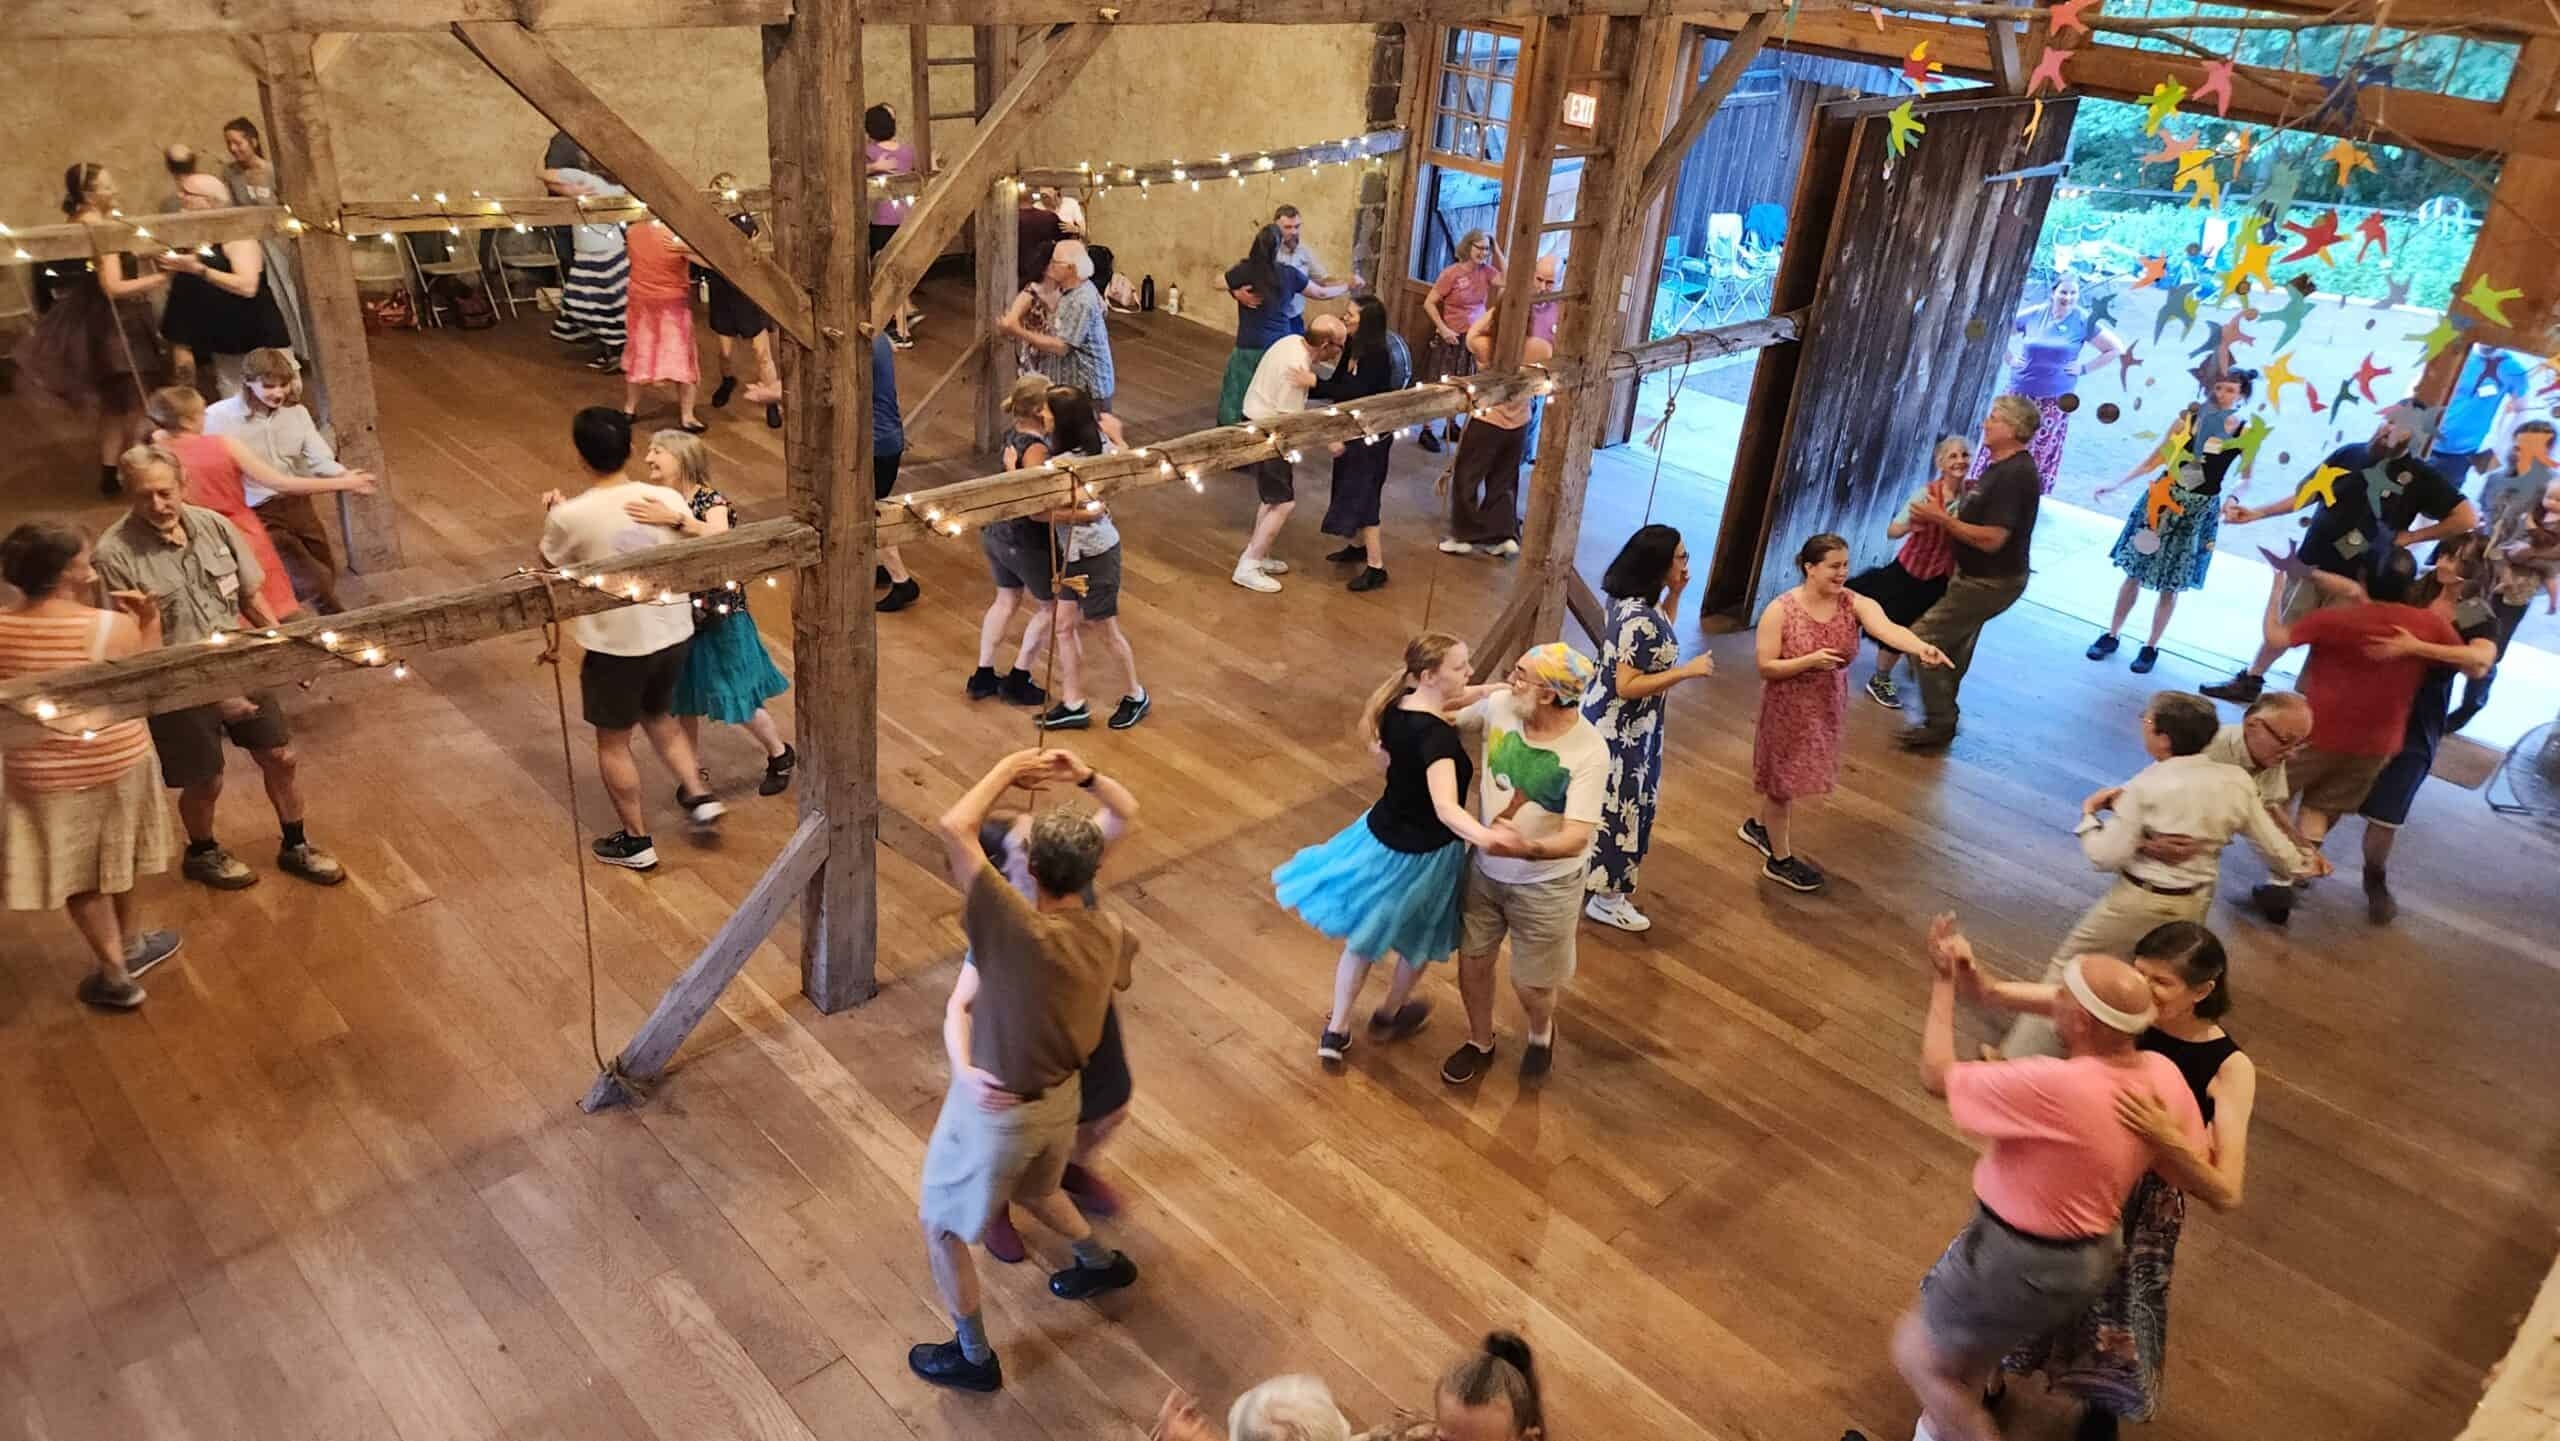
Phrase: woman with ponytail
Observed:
(2112, 1358)
(96, 347)
(1388, 882)
(1492, 1395)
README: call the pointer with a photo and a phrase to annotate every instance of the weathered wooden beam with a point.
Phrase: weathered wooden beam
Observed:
(1663, 161)
(996, 246)
(333, 313)
(533, 68)
(145, 19)
(991, 152)
(697, 990)
(2008, 69)
(813, 110)
(903, 519)
(325, 50)
(178, 676)
(1537, 113)
(143, 235)
(1583, 604)
(920, 94)
(1503, 640)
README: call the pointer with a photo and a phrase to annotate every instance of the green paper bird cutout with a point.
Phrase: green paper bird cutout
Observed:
(2162, 104)
(2282, 183)
(2103, 310)
(2296, 310)
(2489, 300)
(1898, 140)
(2178, 306)
(2251, 436)
(2435, 337)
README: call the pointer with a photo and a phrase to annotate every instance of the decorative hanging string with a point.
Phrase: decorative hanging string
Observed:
(1661, 431)
(550, 658)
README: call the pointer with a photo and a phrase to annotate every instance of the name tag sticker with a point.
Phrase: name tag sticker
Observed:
(230, 583)
(2473, 611)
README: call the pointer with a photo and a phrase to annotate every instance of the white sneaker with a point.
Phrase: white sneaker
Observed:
(1455, 547)
(1616, 910)
(1274, 567)
(704, 811)
(1253, 577)
(1508, 547)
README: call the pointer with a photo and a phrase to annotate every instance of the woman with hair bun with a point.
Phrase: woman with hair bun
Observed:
(1805, 642)
(2168, 538)
(96, 347)
(1491, 1395)
(1639, 664)
(2113, 1357)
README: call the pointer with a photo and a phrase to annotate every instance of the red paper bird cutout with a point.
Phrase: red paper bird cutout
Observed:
(1917, 67)
(2371, 229)
(2172, 146)
(2217, 83)
(2066, 15)
(2366, 375)
(2317, 237)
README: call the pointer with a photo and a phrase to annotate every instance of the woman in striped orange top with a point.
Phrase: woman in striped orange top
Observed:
(82, 814)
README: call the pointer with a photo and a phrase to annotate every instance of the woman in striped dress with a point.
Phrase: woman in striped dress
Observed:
(81, 815)
(597, 290)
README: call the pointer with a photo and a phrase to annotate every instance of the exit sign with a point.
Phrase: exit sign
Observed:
(1581, 109)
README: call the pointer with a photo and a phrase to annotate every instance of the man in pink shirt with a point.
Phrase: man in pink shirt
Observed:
(2045, 1237)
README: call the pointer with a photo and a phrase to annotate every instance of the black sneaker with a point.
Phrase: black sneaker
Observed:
(1880, 689)
(2275, 903)
(1754, 835)
(943, 1363)
(728, 387)
(632, 853)
(1431, 440)
(1131, 710)
(608, 363)
(880, 577)
(2104, 646)
(1370, 578)
(1332, 1046)
(773, 416)
(96, 990)
(2241, 689)
(1794, 872)
(1017, 688)
(901, 595)
(1348, 554)
(1080, 1282)
(1408, 1018)
(984, 683)
(777, 772)
(1537, 1058)
(1065, 717)
(2144, 659)
(1466, 1063)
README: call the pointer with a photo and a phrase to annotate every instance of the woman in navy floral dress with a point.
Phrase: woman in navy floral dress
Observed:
(1639, 664)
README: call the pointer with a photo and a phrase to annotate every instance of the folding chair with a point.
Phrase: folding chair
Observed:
(448, 266)
(519, 252)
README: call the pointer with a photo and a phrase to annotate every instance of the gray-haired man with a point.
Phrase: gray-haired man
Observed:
(1076, 349)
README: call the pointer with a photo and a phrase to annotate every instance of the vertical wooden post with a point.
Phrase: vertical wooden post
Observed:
(1612, 192)
(1537, 112)
(998, 245)
(813, 110)
(307, 181)
(920, 93)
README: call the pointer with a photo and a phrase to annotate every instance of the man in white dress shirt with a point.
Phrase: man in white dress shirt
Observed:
(2162, 833)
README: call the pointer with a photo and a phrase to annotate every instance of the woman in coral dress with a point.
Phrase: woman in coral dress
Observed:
(1806, 640)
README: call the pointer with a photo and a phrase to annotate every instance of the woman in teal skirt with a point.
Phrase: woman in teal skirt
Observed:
(727, 676)
(1388, 882)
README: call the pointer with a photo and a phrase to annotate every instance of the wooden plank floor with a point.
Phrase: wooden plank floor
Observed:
(331, 1181)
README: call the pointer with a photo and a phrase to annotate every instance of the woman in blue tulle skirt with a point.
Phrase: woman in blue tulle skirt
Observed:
(1388, 882)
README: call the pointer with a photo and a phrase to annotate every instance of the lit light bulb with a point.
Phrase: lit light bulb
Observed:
(1192, 476)
(88, 735)
(439, 197)
(328, 640)
(1295, 457)
(769, 580)
(217, 638)
(633, 590)
(47, 710)
(371, 655)
(400, 670)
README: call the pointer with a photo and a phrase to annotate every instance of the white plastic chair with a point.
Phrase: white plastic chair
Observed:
(1729, 275)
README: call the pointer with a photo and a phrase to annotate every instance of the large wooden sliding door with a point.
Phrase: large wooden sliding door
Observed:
(1911, 303)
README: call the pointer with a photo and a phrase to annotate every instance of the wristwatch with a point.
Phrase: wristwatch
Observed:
(1089, 778)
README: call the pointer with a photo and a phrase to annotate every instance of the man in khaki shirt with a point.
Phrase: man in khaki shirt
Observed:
(1046, 968)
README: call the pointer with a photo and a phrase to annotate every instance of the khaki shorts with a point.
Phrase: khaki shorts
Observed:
(980, 1160)
(2333, 783)
(1541, 919)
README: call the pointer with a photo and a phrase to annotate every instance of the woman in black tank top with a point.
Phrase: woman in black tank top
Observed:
(2113, 1357)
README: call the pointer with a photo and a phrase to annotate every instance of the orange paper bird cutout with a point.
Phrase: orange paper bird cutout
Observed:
(2048, 71)
(2279, 374)
(2160, 498)
(2348, 158)
(2153, 268)
(2173, 146)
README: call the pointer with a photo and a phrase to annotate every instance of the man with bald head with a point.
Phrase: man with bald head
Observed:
(1281, 380)
(2050, 1189)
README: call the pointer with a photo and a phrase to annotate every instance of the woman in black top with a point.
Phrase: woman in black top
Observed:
(1374, 363)
(2112, 1358)
(222, 305)
(736, 318)
(1388, 882)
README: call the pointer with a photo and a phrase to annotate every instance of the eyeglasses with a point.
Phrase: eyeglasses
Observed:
(2281, 740)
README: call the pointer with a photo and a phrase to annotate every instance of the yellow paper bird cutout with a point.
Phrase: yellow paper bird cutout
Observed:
(2279, 374)
(2489, 300)
(2323, 483)
(1904, 125)
(2196, 172)
(2348, 158)
(2253, 261)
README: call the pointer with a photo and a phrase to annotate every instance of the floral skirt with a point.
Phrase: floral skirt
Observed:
(2114, 1356)
(2180, 549)
(2044, 447)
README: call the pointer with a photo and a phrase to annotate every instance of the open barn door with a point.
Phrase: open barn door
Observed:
(1910, 298)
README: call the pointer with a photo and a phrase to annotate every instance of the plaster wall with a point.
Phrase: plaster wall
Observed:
(416, 113)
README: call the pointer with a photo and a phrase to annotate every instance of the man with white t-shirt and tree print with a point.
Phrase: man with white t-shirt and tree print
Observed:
(1546, 772)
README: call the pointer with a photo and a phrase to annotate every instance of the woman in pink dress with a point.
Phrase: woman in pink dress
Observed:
(1805, 642)
(215, 468)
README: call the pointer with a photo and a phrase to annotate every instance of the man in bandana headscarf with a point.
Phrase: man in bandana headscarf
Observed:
(1545, 771)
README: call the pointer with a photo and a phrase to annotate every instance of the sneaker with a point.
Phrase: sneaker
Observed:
(943, 1363)
(984, 683)
(1018, 688)
(1431, 440)
(2275, 903)
(1409, 1018)
(1002, 1241)
(773, 416)
(2379, 905)
(1348, 554)
(1880, 690)
(901, 342)
(622, 848)
(901, 595)
(1507, 549)
(606, 364)
(311, 863)
(1273, 567)
(1065, 717)
(2241, 689)
(720, 397)
(1093, 1195)
(1794, 872)
(1370, 578)
(1926, 737)
(219, 869)
(1616, 910)
(2145, 658)
(1254, 577)
(2104, 646)
(2460, 716)
(1456, 547)
(701, 810)
(1466, 1063)
(1754, 835)
(1081, 1282)
(777, 772)
(880, 578)
(96, 990)
(1131, 710)
(1537, 1058)
(148, 950)
(1332, 1046)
